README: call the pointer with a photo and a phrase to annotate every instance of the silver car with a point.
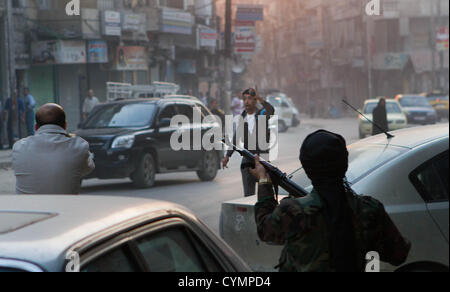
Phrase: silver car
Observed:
(107, 234)
(408, 174)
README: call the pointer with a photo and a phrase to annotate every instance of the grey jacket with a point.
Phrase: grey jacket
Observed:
(51, 162)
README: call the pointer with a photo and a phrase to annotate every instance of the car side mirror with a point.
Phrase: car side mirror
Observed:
(163, 123)
(285, 105)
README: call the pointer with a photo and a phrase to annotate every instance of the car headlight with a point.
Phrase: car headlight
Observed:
(123, 142)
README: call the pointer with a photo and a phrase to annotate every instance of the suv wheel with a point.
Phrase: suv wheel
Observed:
(209, 166)
(144, 176)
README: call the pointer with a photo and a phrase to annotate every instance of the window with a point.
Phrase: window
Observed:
(10, 270)
(167, 113)
(122, 116)
(391, 108)
(179, 4)
(118, 260)
(187, 111)
(203, 109)
(174, 250)
(431, 179)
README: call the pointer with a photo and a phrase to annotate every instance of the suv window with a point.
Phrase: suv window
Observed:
(117, 260)
(431, 179)
(168, 112)
(126, 115)
(186, 110)
(175, 250)
(203, 109)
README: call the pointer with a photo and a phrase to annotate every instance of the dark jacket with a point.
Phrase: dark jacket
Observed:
(268, 111)
(380, 118)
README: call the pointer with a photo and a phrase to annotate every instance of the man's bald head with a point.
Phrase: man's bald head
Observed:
(51, 114)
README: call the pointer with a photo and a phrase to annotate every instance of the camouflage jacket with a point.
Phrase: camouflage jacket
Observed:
(299, 225)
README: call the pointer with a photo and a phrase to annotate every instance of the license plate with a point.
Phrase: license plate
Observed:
(420, 118)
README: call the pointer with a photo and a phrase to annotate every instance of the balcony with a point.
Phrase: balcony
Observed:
(56, 23)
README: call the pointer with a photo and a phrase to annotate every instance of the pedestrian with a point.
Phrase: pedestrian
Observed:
(90, 102)
(13, 114)
(247, 131)
(51, 161)
(30, 103)
(237, 105)
(204, 99)
(331, 229)
(380, 118)
(215, 110)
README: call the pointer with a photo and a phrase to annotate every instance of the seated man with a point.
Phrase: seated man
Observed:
(51, 162)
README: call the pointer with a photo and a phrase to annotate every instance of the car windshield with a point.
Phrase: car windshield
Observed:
(436, 98)
(412, 101)
(363, 160)
(391, 108)
(122, 116)
(275, 100)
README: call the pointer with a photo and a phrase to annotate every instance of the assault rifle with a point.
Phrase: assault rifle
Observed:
(278, 177)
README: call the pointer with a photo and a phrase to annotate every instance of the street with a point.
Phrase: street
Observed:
(205, 199)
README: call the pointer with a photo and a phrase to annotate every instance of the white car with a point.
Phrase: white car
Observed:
(107, 234)
(408, 174)
(283, 110)
(395, 115)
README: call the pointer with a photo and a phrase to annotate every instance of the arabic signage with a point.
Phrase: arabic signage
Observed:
(442, 37)
(176, 21)
(112, 23)
(245, 40)
(58, 52)
(250, 12)
(97, 52)
(131, 59)
(207, 37)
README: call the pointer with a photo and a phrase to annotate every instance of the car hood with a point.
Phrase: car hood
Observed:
(390, 116)
(108, 132)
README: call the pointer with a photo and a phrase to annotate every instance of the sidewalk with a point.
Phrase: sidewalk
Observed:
(5, 158)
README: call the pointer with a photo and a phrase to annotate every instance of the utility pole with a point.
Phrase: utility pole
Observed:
(228, 57)
(10, 51)
(369, 27)
(432, 30)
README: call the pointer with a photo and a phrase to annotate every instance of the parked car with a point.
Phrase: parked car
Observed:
(296, 118)
(107, 234)
(132, 138)
(408, 174)
(283, 110)
(395, 115)
(439, 102)
(417, 109)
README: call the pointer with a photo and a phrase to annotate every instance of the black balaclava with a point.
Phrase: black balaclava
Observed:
(324, 157)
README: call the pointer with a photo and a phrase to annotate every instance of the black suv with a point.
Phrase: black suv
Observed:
(132, 138)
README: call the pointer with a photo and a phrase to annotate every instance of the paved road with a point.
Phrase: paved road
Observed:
(205, 198)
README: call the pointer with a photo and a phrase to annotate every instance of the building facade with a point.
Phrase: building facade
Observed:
(320, 51)
(59, 56)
